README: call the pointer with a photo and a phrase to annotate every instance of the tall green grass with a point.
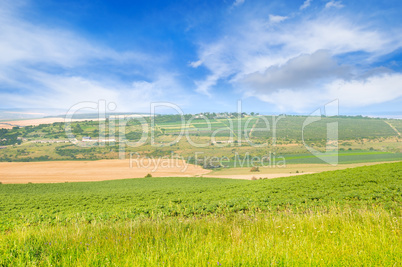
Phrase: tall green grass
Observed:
(336, 237)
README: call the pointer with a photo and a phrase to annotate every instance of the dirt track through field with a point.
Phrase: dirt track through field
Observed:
(257, 176)
(100, 170)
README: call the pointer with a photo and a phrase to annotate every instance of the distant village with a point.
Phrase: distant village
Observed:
(89, 139)
(223, 115)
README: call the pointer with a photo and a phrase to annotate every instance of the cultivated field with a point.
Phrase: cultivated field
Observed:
(100, 170)
(347, 217)
(285, 171)
(35, 122)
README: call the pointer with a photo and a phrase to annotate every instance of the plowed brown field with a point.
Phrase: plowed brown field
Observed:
(81, 171)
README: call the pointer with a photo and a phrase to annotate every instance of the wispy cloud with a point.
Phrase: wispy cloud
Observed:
(276, 18)
(336, 4)
(195, 64)
(56, 67)
(238, 2)
(22, 41)
(64, 91)
(306, 4)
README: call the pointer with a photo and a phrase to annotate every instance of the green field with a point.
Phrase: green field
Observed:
(344, 157)
(290, 127)
(397, 124)
(346, 217)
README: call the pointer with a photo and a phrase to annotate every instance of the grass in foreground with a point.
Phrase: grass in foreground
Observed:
(347, 217)
(334, 237)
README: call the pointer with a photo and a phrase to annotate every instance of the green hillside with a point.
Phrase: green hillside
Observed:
(218, 137)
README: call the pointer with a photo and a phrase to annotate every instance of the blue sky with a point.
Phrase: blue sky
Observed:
(275, 56)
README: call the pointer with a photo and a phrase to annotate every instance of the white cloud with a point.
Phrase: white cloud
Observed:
(204, 85)
(337, 35)
(336, 4)
(25, 42)
(55, 91)
(276, 18)
(350, 93)
(373, 90)
(62, 91)
(196, 64)
(306, 4)
(29, 54)
(212, 58)
(238, 2)
(277, 57)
